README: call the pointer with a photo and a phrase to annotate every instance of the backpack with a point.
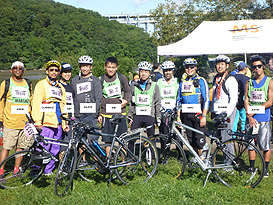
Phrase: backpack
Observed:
(119, 77)
(240, 103)
(7, 84)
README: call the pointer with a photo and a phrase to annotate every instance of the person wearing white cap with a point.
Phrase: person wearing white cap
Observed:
(15, 94)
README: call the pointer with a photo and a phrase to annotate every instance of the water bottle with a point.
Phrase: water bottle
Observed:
(204, 151)
(101, 151)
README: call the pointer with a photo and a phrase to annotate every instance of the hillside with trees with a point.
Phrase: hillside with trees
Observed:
(36, 31)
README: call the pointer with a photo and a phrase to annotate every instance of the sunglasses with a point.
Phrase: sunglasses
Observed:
(256, 66)
(52, 69)
(190, 66)
(16, 68)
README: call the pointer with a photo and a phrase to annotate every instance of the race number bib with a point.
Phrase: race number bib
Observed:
(87, 107)
(48, 107)
(187, 87)
(143, 99)
(219, 107)
(30, 130)
(191, 108)
(168, 92)
(83, 87)
(69, 98)
(113, 90)
(143, 110)
(69, 109)
(55, 93)
(19, 109)
(256, 109)
(257, 96)
(113, 108)
(168, 103)
(19, 92)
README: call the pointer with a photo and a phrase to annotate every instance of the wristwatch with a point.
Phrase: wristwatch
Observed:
(204, 115)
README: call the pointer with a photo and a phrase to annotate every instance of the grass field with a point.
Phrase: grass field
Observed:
(161, 189)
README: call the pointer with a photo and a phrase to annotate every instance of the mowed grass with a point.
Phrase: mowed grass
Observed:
(161, 189)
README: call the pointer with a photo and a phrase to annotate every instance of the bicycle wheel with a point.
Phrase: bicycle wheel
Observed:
(146, 160)
(66, 171)
(171, 156)
(87, 167)
(28, 172)
(237, 173)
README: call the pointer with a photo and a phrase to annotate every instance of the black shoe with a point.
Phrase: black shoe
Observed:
(2, 179)
(251, 171)
(266, 174)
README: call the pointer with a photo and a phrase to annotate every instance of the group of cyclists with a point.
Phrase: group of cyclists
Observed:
(91, 100)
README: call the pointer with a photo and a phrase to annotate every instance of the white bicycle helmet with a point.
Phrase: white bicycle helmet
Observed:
(167, 65)
(144, 65)
(222, 58)
(189, 61)
(237, 63)
(85, 60)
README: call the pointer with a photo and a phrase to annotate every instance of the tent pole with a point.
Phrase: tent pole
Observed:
(158, 59)
(245, 59)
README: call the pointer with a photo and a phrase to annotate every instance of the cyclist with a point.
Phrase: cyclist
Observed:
(48, 104)
(193, 94)
(65, 77)
(259, 92)
(225, 95)
(116, 95)
(14, 93)
(145, 105)
(87, 94)
(168, 86)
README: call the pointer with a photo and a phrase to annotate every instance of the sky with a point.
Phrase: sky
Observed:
(110, 7)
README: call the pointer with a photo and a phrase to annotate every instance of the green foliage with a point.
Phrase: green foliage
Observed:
(36, 31)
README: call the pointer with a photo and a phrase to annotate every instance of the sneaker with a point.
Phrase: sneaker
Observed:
(2, 179)
(251, 171)
(49, 174)
(17, 174)
(266, 174)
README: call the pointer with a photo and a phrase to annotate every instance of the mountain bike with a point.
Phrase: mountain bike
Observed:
(229, 162)
(129, 165)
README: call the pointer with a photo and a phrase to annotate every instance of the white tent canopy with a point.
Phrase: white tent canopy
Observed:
(224, 37)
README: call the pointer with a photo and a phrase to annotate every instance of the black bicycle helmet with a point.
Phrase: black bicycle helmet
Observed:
(66, 67)
(40, 158)
(257, 58)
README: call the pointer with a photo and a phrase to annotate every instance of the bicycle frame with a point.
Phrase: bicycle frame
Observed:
(204, 166)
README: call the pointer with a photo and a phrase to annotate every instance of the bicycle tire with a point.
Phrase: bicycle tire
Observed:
(174, 161)
(240, 175)
(65, 172)
(147, 160)
(87, 168)
(29, 173)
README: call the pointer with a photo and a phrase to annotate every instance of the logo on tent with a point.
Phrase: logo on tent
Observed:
(252, 28)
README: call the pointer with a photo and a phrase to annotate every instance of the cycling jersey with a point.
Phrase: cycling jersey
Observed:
(194, 90)
(258, 95)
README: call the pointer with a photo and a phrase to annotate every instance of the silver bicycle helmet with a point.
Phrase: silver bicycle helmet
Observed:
(85, 60)
(144, 65)
(222, 58)
(189, 61)
(167, 65)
